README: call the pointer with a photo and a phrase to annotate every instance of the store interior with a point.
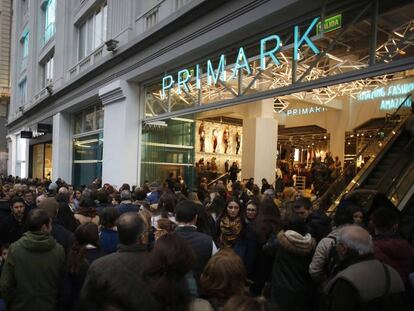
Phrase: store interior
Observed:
(304, 127)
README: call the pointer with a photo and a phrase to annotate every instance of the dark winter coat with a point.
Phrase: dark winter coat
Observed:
(319, 225)
(361, 286)
(31, 276)
(395, 252)
(63, 236)
(11, 229)
(73, 282)
(245, 247)
(202, 245)
(292, 287)
(127, 207)
(129, 259)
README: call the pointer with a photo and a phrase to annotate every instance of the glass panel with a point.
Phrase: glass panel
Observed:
(90, 118)
(50, 17)
(38, 160)
(105, 21)
(82, 41)
(48, 161)
(98, 38)
(168, 147)
(78, 123)
(87, 159)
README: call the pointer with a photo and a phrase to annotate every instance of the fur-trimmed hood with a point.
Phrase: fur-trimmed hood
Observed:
(296, 243)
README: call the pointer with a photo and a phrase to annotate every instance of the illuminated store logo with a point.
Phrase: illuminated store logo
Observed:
(214, 75)
(305, 111)
(391, 96)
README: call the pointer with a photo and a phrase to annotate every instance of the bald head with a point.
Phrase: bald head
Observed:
(130, 228)
(355, 239)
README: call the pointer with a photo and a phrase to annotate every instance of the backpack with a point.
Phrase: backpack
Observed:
(333, 260)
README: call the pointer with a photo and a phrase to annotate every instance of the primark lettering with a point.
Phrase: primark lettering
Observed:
(305, 111)
(213, 75)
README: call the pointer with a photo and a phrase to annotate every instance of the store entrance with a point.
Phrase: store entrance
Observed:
(40, 160)
(304, 138)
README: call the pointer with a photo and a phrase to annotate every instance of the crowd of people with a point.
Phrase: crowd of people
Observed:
(161, 247)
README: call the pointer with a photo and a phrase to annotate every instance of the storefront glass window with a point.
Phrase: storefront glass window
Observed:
(88, 145)
(87, 159)
(168, 147)
(89, 120)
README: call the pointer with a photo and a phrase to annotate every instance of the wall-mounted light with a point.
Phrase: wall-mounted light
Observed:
(111, 45)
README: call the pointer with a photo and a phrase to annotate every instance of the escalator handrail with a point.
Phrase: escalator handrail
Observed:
(344, 172)
(218, 178)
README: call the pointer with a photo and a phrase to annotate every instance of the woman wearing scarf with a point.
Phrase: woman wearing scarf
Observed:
(235, 233)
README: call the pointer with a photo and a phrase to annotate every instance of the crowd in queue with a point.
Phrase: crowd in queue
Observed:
(161, 247)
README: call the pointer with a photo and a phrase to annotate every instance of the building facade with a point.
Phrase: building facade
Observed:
(128, 90)
(5, 31)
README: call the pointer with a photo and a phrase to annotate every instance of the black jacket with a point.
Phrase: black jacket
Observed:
(11, 230)
(292, 287)
(202, 245)
(63, 236)
(128, 260)
(319, 225)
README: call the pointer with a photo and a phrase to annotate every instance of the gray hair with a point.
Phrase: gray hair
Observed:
(126, 195)
(357, 239)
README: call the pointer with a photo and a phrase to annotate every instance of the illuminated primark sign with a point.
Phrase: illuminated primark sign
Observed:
(391, 96)
(215, 74)
(305, 111)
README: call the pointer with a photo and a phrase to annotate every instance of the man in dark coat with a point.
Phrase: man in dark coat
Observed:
(63, 236)
(128, 260)
(13, 226)
(363, 282)
(318, 223)
(202, 244)
(34, 267)
(126, 203)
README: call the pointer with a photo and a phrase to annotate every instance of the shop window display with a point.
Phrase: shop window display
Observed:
(218, 146)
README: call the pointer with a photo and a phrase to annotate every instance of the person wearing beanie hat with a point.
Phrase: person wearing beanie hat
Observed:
(202, 244)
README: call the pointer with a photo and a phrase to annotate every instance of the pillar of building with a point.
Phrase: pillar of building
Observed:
(11, 161)
(336, 125)
(259, 142)
(121, 133)
(61, 147)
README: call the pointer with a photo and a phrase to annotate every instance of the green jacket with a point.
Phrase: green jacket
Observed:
(32, 273)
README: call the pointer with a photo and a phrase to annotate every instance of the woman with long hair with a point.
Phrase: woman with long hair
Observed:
(84, 251)
(235, 233)
(267, 223)
(87, 212)
(223, 277)
(167, 273)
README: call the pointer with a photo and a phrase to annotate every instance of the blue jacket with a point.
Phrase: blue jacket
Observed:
(127, 207)
(245, 247)
(109, 240)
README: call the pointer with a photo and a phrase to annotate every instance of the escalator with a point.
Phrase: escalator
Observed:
(391, 163)
(390, 171)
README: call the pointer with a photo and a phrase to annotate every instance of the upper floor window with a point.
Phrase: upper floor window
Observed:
(25, 7)
(47, 70)
(24, 46)
(92, 33)
(49, 13)
(23, 92)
